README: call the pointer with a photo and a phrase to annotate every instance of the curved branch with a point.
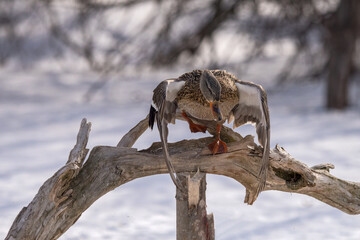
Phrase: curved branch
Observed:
(66, 195)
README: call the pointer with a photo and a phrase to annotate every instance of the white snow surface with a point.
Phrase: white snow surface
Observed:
(40, 114)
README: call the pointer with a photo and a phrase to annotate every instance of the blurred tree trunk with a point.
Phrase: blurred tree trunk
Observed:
(343, 29)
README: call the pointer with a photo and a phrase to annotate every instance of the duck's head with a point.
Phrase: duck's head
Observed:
(211, 89)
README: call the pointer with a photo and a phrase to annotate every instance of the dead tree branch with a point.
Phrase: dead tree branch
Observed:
(192, 220)
(76, 186)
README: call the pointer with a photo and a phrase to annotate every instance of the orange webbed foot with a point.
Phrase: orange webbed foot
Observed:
(194, 127)
(217, 146)
(197, 128)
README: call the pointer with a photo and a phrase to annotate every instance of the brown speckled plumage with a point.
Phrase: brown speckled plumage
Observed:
(237, 100)
(191, 100)
(191, 89)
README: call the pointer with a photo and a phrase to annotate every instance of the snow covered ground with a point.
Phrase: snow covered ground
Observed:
(40, 113)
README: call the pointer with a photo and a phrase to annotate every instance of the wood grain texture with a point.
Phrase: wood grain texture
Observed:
(192, 220)
(76, 186)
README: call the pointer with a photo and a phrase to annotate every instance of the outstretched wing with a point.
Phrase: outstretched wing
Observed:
(163, 110)
(253, 108)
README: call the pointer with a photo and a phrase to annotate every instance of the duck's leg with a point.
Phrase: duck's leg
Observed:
(194, 127)
(218, 146)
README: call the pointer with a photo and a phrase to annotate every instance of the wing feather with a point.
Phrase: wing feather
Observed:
(253, 108)
(164, 106)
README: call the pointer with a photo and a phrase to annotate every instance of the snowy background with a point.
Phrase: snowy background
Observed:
(43, 86)
(40, 113)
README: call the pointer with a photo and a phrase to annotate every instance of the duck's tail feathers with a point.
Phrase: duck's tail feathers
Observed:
(152, 115)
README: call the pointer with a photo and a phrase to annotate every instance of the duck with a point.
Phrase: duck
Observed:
(211, 95)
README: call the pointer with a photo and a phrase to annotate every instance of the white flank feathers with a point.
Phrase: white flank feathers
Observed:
(172, 89)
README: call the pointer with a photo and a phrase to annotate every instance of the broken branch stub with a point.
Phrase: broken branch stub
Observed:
(192, 220)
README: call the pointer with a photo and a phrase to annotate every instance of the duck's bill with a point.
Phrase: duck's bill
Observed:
(216, 111)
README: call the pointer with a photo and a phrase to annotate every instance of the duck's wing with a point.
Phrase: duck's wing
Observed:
(253, 108)
(163, 110)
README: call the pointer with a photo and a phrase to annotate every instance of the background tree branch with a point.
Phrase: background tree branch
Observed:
(76, 186)
(205, 34)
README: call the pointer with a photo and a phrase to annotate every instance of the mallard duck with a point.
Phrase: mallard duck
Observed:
(212, 95)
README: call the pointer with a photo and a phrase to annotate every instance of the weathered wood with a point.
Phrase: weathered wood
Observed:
(129, 139)
(39, 219)
(210, 226)
(71, 190)
(191, 217)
